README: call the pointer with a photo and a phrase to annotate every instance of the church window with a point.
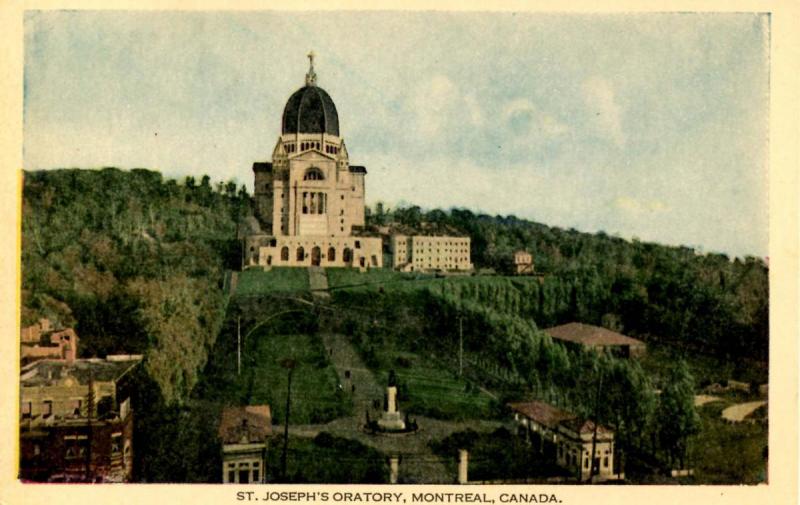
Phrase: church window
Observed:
(313, 174)
(284, 253)
(301, 254)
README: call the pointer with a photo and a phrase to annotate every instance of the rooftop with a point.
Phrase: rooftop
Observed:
(48, 372)
(542, 413)
(590, 335)
(243, 425)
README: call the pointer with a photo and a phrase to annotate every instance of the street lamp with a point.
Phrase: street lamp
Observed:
(289, 364)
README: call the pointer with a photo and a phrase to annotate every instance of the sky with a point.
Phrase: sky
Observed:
(649, 126)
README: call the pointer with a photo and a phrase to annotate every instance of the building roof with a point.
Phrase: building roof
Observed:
(310, 110)
(358, 169)
(584, 426)
(543, 413)
(245, 425)
(262, 166)
(48, 372)
(590, 335)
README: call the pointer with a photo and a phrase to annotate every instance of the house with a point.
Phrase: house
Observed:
(566, 439)
(597, 338)
(76, 420)
(244, 432)
(42, 341)
(523, 263)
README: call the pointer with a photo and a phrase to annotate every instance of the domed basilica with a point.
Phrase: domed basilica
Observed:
(309, 201)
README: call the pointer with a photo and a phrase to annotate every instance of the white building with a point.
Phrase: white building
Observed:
(310, 200)
(244, 432)
(431, 253)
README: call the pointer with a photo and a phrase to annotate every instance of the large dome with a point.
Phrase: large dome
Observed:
(310, 110)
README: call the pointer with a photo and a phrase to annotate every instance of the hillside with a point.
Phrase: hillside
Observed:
(704, 302)
(133, 261)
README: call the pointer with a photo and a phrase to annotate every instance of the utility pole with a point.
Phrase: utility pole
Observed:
(239, 345)
(460, 344)
(289, 364)
(596, 423)
(90, 401)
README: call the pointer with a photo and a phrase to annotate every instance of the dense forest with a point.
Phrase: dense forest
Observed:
(704, 302)
(134, 262)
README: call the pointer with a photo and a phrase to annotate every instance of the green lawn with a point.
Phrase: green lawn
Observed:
(351, 277)
(278, 280)
(426, 388)
(315, 396)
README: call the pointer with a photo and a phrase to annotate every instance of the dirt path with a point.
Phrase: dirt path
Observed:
(737, 413)
(700, 400)
(418, 463)
(318, 282)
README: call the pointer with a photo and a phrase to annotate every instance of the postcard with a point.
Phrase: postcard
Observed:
(402, 255)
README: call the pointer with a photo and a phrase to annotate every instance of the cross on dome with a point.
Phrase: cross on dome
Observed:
(311, 76)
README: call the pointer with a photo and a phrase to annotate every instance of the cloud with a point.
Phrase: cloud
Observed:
(639, 206)
(524, 118)
(600, 99)
(440, 107)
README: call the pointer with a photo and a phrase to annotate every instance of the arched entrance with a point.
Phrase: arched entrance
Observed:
(315, 256)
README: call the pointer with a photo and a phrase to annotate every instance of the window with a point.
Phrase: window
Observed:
(605, 462)
(116, 444)
(331, 254)
(358, 244)
(231, 476)
(301, 253)
(75, 446)
(586, 462)
(48, 408)
(284, 253)
(314, 174)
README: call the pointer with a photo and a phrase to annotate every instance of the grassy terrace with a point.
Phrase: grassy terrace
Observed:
(350, 277)
(278, 280)
(315, 398)
(426, 388)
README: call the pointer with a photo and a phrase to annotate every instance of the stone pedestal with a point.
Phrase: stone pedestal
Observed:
(391, 419)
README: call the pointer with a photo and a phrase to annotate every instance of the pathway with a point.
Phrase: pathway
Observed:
(737, 413)
(700, 400)
(318, 282)
(418, 463)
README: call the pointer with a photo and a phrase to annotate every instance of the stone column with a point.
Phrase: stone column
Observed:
(463, 464)
(391, 402)
(394, 469)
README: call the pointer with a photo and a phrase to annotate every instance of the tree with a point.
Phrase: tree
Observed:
(676, 413)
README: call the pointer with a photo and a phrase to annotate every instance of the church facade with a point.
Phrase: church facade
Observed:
(309, 200)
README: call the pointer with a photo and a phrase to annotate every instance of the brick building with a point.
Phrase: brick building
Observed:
(76, 420)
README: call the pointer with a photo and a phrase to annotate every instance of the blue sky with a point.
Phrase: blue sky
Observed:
(650, 125)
